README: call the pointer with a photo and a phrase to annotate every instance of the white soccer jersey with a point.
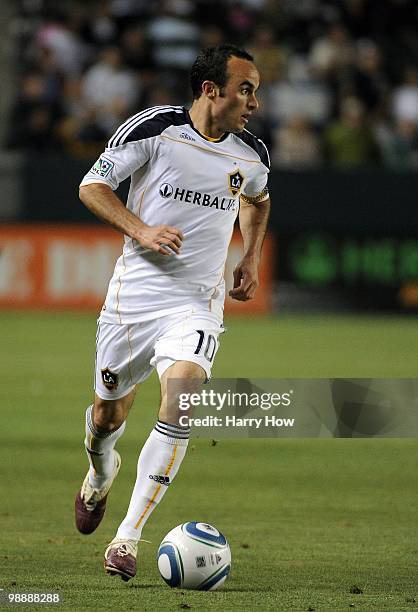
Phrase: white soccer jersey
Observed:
(182, 179)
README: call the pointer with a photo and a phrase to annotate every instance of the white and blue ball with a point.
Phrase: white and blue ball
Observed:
(194, 556)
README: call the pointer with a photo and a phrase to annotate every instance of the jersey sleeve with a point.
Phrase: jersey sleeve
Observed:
(256, 189)
(132, 145)
(117, 163)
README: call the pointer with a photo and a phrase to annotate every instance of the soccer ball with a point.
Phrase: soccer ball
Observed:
(194, 556)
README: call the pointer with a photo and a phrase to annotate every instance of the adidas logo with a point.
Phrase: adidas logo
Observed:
(186, 136)
(164, 480)
(215, 559)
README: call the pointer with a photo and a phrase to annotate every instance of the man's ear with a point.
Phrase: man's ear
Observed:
(210, 89)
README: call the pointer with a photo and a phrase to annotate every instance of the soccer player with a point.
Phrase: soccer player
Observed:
(192, 171)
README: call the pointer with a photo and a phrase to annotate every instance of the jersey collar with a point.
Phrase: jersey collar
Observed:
(207, 138)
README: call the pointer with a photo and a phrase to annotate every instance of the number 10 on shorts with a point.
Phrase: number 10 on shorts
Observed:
(207, 343)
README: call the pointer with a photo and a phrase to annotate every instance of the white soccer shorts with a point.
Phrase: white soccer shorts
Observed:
(127, 354)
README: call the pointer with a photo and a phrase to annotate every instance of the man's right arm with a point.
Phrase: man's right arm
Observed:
(100, 199)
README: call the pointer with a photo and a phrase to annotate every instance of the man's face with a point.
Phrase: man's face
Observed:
(236, 101)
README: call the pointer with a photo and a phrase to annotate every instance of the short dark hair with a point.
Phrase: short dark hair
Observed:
(210, 65)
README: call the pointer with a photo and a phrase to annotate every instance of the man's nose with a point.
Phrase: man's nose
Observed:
(253, 102)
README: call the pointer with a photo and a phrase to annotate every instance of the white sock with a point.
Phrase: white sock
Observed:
(158, 464)
(99, 447)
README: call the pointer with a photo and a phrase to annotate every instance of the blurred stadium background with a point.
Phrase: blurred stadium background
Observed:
(339, 113)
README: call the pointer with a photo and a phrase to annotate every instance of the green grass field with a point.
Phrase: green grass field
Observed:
(309, 521)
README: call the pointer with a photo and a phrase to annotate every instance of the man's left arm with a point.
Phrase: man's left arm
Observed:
(253, 224)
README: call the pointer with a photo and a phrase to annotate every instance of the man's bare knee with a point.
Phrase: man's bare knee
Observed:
(189, 378)
(108, 415)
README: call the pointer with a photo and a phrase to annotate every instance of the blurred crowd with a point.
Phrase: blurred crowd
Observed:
(339, 77)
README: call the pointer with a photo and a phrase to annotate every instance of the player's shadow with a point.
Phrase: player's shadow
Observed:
(241, 590)
(223, 590)
(147, 586)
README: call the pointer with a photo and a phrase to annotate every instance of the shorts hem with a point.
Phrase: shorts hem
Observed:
(174, 360)
(111, 395)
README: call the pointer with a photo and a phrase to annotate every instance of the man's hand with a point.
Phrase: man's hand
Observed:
(105, 204)
(245, 279)
(162, 239)
(253, 223)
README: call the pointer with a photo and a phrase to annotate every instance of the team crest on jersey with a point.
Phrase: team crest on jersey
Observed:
(110, 379)
(235, 180)
(103, 166)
